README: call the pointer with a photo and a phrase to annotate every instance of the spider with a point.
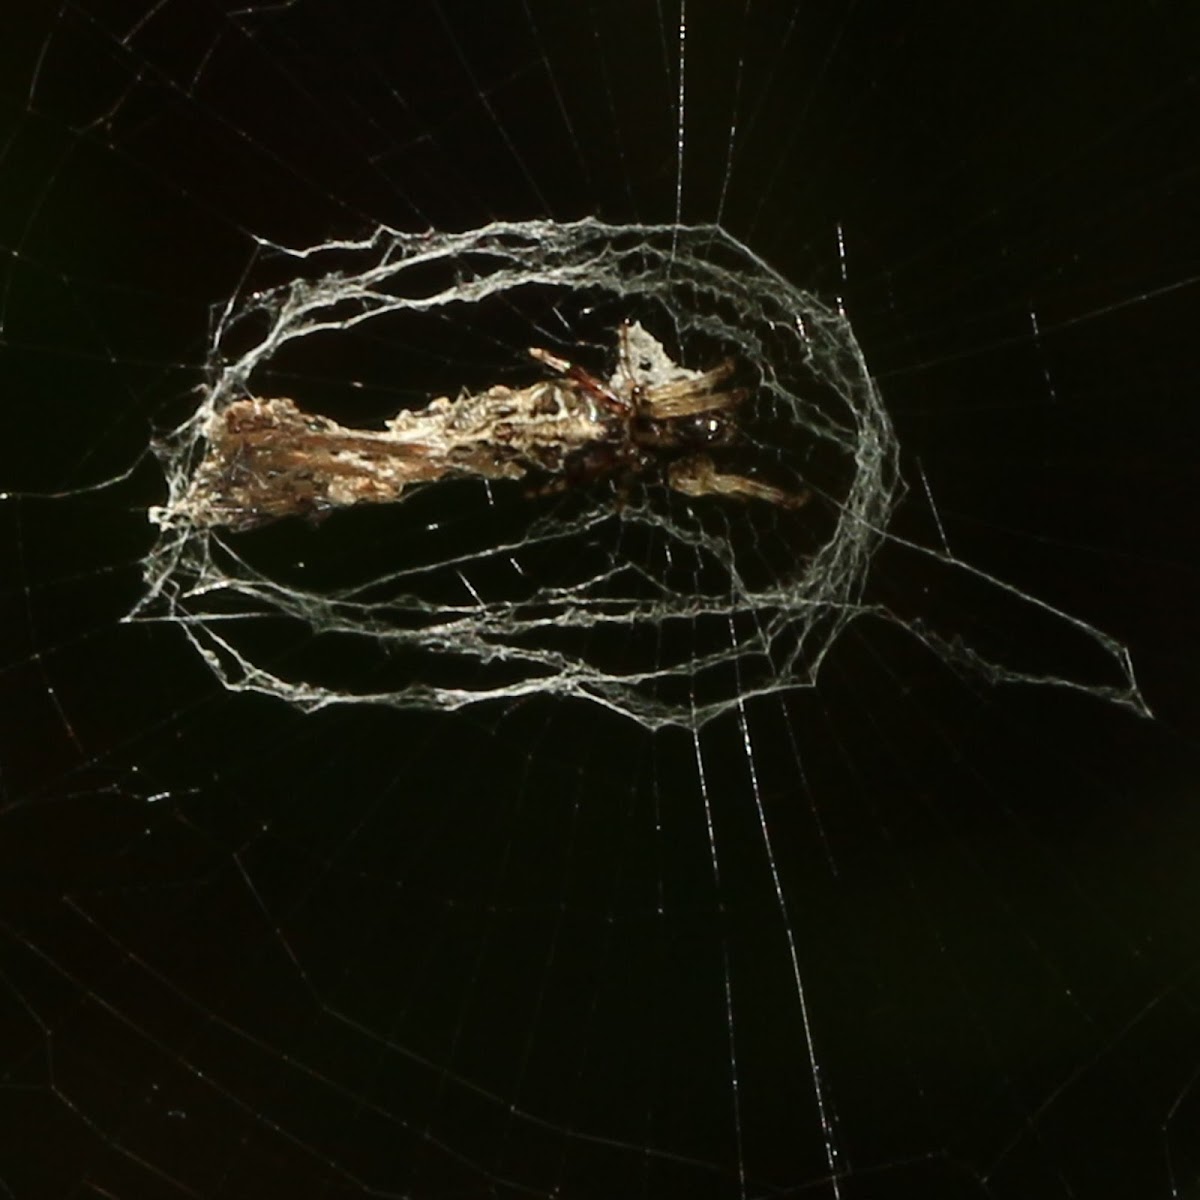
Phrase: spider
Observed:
(653, 406)
(267, 459)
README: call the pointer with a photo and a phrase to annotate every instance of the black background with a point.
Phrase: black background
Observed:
(246, 952)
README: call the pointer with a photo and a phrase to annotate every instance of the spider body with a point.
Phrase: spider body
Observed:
(683, 433)
(657, 418)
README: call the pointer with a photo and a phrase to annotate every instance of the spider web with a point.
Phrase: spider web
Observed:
(606, 841)
(718, 589)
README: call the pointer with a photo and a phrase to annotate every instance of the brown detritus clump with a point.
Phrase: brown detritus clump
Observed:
(267, 459)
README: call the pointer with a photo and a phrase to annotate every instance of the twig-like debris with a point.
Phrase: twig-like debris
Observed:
(266, 459)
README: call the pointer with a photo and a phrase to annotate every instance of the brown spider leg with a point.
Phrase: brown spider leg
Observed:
(587, 382)
(687, 397)
(599, 392)
(697, 476)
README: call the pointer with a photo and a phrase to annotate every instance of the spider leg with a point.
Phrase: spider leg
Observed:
(697, 476)
(561, 365)
(689, 405)
(685, 397)
(588, 383)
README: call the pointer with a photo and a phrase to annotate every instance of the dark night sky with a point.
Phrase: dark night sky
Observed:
(248, 952)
